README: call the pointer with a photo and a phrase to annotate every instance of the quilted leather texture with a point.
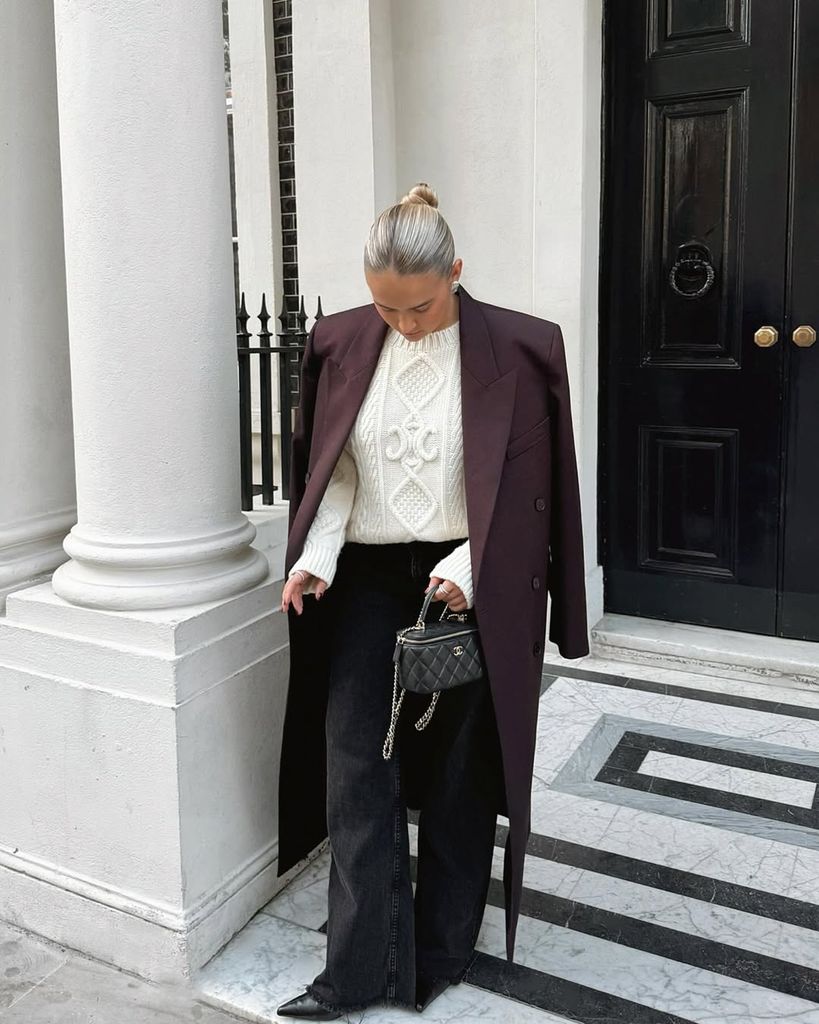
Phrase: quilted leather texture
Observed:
(425, 668)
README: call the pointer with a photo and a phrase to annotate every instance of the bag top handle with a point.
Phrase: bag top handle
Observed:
(422, 615)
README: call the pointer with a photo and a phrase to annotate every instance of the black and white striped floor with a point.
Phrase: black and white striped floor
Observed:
(672, 872)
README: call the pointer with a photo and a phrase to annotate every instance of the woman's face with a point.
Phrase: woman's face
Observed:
(415, 304)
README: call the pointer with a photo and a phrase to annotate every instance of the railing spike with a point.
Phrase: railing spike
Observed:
(264, 316)
(287, 354)
(242, 318)
(264, 320)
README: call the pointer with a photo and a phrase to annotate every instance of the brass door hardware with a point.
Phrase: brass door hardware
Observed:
(804, 336)
(766, 336)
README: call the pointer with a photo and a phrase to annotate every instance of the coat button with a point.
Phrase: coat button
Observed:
(540, 504)
(537, 647)
(536, 583)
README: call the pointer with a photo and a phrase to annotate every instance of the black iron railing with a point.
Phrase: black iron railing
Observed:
(288, 353)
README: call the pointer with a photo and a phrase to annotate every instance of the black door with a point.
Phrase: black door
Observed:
(708, 424)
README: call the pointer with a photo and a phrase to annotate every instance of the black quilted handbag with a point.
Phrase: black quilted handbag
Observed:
(431, 657)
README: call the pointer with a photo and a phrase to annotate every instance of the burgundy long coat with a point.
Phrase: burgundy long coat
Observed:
(523, 514)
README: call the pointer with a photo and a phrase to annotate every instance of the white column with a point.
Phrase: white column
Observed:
(149, 270)
(37, 500)
(143, 738)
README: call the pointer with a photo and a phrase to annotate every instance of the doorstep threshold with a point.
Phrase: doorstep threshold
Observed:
(702, 649)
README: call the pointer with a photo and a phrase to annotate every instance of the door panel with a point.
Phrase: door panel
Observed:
(800, 580)
(694, 153)
(677, 27)
(697, 202)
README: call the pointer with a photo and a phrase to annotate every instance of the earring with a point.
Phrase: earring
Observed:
(454, 287)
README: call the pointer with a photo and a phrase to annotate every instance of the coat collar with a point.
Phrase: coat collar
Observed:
(477, 354)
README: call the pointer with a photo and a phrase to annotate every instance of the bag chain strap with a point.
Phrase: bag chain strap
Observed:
(397, 701)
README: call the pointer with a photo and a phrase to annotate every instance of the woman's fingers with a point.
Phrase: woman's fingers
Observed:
(433, 582)
(292, 594)
(293, 591)
(288, 590)
(449, 592)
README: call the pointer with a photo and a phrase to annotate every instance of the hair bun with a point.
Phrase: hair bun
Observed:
(423, 194)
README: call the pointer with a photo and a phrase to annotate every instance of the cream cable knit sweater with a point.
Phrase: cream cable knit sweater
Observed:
(400, 475)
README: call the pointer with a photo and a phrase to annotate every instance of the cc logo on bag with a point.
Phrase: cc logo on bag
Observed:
(458, 651)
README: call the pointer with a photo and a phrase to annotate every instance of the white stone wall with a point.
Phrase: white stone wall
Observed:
(335, 165)
(566, 216)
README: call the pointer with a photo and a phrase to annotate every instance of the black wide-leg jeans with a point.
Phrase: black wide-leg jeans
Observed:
(377, 935)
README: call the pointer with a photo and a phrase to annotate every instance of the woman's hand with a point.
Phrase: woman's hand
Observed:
(294, 590)
(449, 592)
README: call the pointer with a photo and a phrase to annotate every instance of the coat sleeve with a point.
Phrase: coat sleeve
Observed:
(326, 535)
(568, 627)
(303, 428)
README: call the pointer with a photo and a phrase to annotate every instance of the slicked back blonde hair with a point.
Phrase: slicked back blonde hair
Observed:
(411, 237)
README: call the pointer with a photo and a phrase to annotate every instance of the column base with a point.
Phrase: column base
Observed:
(127, 576)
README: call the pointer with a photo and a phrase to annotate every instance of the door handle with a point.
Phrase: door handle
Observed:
(766, 336)
(804, 336)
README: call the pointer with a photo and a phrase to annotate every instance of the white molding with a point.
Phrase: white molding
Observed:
(130, 931)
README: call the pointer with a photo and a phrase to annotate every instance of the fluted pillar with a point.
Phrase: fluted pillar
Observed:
(146, 197)
(37, 502)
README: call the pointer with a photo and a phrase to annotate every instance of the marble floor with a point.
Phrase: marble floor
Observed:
(672, 873)
(43, 982)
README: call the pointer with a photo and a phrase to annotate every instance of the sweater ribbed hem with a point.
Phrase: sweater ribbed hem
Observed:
(319, 561)
(457, 566)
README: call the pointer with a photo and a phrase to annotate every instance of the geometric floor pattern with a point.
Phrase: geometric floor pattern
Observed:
(672, 873)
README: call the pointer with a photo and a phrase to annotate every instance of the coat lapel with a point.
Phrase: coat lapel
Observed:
(487, 402)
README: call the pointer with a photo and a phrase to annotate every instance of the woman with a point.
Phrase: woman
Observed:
(433, 449)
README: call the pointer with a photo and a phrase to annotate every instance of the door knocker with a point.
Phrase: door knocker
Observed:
(693, 274)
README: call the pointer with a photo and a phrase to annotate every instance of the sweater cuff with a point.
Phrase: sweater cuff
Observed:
(319, 561)
(457, 566)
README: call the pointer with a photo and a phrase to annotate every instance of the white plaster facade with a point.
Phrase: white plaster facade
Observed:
(142, 686)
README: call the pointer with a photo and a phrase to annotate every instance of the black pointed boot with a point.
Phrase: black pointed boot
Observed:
(305, 1007)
